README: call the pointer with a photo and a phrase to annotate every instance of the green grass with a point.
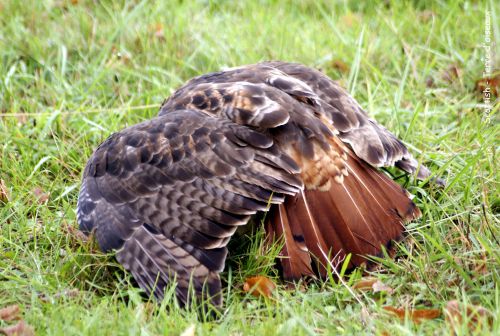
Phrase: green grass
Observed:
(71, 74)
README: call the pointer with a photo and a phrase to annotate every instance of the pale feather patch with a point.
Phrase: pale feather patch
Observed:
(326, 165)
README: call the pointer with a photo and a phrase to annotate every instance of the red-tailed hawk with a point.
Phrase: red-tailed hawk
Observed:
(168, 194)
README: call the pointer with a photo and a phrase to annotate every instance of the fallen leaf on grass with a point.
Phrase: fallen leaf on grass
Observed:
(259, 286)
(373, 284)
(365, 283)
(19, 329)
(416, 315)
(488, 85)
(474, 314)
(9, 313)
(42, 196)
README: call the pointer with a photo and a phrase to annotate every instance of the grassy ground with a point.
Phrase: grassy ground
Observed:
(72, 72)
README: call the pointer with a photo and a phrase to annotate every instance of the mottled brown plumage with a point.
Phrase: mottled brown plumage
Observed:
(168, 194)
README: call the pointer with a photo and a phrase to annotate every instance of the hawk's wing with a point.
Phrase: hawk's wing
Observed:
(369, 140)
(167, 194)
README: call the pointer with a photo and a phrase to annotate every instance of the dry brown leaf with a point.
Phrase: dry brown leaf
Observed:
(365, 283)
(416, 315)
(259, 286)
(4, 192)
(372, 284)
(42, 196)
(19, 329)
(474, 314)
(340, 65)
(9, 313)
(489, 85)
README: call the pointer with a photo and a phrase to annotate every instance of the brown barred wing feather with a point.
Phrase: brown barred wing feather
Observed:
(167, 195)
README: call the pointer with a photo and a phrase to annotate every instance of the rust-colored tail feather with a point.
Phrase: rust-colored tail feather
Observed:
(359, 216)
(296, 259)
